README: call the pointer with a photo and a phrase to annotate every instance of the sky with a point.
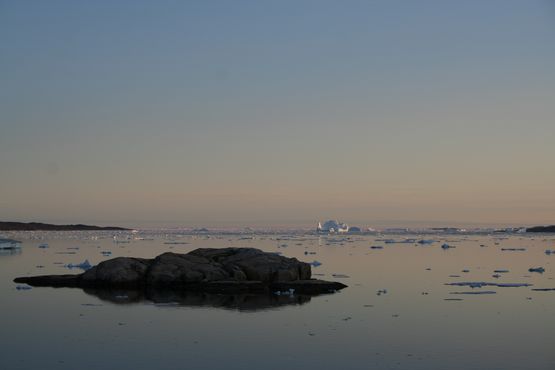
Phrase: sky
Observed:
(278, 113)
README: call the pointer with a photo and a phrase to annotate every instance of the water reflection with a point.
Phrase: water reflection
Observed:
(10, 252)
(241, 302)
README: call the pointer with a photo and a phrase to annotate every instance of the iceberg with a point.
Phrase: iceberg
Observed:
(332, 226)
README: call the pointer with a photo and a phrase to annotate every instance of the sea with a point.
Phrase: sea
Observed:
(434, 301)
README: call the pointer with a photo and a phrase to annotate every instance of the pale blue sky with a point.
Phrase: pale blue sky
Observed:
(260, 113)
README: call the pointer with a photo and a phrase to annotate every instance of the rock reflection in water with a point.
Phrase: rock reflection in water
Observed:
(240, 302)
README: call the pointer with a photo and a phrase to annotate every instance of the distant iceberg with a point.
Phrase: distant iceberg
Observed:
(332, 226)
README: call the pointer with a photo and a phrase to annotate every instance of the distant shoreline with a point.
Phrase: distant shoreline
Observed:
(38, 226)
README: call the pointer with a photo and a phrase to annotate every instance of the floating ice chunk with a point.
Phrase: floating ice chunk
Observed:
(480, 284)
(376, 247)
(540, 270)
(501, 271)
(23, 287)
(426, 241)
(9, 244)
(403, 241)
(85, 265)
(315, 263)
(544, 289)
(549, 252)
(43, 245)
(290, 292)
(513, 249)
(475, 293)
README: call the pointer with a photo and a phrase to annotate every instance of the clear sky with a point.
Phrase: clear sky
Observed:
(277, 113)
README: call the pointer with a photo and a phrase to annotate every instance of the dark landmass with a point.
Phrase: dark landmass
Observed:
(206, 270)
(36, 226)
(541, 229)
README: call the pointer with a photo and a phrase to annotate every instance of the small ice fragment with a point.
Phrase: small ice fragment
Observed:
(85, 265)
(23, 287)
(315, 263)
(43, 245)
(540, 270)
(480, 284)
(342, 276)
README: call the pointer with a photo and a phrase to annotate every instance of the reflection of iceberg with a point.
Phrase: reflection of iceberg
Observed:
(176, 298)
(9, 244)
(332, 226)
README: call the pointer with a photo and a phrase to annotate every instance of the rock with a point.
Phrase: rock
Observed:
(541, 229)
(206, 269)
(117, 271)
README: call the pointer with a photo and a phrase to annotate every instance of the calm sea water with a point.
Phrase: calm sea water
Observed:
(417, 324)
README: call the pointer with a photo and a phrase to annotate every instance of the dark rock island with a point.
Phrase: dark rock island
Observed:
(36, 226)
(209, 270)
(541, 229)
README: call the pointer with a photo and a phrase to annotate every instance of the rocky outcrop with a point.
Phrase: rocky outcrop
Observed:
(541, 229)
(227, 270)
